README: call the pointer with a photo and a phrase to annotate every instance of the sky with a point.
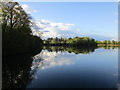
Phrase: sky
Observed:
(97, 20)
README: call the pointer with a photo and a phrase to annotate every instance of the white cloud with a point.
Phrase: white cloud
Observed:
(57, 29)
(53, 29)
(115, 38)
(28, 9)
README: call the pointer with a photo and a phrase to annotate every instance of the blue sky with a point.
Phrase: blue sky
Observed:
(93, 19)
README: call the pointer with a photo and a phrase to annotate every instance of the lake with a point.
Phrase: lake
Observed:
(60, 67)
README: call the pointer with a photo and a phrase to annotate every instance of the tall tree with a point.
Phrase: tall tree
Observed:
(14, 17)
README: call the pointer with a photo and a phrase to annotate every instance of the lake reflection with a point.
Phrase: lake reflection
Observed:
(63, 67)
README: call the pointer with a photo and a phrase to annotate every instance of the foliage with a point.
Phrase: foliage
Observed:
(108, 43)
(78, 41)
(16, 30)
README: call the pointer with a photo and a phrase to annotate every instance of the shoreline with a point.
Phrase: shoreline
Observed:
(117, 45)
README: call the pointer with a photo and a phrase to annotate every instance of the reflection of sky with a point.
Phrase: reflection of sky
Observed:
(98, 69)
(51, 59)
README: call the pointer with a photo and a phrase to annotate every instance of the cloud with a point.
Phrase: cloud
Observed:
(48, 29)
(115, 38)
(99, 37)
(28, 9)
(53, 29)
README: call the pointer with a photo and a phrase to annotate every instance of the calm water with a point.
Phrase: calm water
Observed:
(64, 68)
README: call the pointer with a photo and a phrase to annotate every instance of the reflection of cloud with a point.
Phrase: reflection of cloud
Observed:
(50, 60)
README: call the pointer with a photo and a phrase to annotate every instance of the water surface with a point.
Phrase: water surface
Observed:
(62, 67)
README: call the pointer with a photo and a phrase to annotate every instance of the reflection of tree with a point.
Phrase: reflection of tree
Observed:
(49, 57)
(109, 47)
(17, 72)
(76, 50)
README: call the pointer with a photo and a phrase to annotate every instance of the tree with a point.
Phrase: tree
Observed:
(16, 30)
(14, 17)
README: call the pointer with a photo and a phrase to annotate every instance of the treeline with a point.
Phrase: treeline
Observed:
(17, 36)
(108, 43)
(76, 41)
(79, 41)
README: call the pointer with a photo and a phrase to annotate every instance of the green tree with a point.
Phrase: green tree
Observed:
(14, 17)
(16, 30)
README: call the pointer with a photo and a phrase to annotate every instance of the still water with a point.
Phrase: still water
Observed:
(62, 67)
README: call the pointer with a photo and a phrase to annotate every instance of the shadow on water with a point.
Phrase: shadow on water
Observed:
(109, 47)
(17, 71)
